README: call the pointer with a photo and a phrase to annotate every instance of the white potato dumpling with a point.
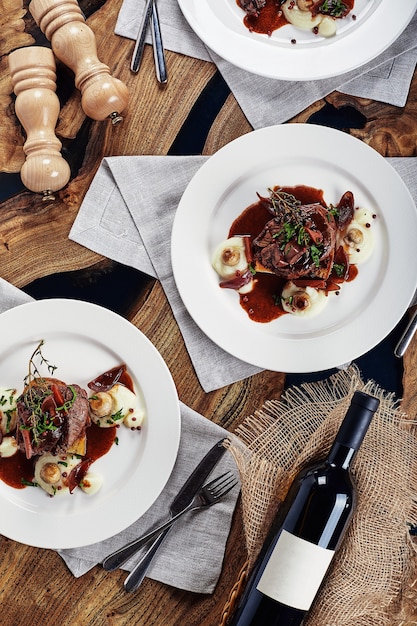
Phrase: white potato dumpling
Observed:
(8, 447)
(327, 26)
(8, 415)
(230, 257)
(247, 288)
(298, 14)
(116, 406)
(52, 471)
(302, 301)
(358, 237)
(91, 483)
(300, 18)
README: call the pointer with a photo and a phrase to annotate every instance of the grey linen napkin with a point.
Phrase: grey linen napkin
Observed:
(127, 215)
(266, 101)
(11, 296)
(191, 556)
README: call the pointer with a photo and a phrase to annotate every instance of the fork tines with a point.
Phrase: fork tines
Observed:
(222, 484)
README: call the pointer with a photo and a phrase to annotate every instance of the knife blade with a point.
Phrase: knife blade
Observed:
(193, 483)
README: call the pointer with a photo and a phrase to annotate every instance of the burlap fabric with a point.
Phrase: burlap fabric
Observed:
(373, 579)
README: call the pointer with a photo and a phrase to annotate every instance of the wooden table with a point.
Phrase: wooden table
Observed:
(36, 587)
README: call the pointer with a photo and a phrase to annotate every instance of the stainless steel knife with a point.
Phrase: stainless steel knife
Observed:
(140, 41)
(158, 48)
(184, 497)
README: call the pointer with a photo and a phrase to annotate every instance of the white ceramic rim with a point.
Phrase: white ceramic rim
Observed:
(84, 340)
(366, 310)
(377, 25)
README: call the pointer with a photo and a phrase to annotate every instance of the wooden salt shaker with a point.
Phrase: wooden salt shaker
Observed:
(32, 71)
(74, 43)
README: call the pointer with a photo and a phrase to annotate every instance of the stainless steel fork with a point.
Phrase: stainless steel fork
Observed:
(208, 495)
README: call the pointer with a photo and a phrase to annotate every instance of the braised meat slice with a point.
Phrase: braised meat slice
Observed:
(295, 248)
(51, 417)
(78, 417)
(252, 7)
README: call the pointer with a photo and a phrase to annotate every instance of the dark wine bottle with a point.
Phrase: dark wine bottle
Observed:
(307, 530)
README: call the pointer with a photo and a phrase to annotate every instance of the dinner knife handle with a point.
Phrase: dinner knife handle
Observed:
(182, 502)
(407, 336)
(119, 557)
(113, 561)
(138, 573)
(158, 48)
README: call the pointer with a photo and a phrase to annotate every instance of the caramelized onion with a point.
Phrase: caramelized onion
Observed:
(78, 473)
(345, 210)
(105, 381)
(238, 281)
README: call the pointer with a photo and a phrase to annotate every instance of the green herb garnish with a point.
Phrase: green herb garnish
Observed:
(316, 253)
(28, 483)
(38, 421)
(339, 269)
(335, 8)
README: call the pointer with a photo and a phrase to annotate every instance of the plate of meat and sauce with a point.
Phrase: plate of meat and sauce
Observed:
(323, 167)
(81, 341)
(257, 36)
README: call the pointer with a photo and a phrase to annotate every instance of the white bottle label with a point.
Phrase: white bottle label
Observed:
(294, 571)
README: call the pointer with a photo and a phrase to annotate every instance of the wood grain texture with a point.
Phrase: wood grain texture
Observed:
(49, 594)
(227, 406)
(35, 586)
(30, 234)
(12, 36)
(30, 230)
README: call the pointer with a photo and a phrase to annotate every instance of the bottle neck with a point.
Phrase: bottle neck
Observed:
(341, 455)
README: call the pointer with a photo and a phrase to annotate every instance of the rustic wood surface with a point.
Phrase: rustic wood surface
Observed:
(35, 586)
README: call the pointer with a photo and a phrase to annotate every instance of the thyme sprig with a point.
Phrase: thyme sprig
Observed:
(285, 204)
(33, 371)
(38, 421)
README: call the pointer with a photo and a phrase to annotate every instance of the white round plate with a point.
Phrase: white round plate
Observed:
(367, 308)
(83, 340)
(377, 25)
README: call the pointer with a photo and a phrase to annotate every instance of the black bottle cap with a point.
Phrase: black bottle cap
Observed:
(357, 420)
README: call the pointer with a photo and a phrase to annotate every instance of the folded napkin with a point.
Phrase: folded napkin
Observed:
(191, 556)
(10, 296)
(131, 223)
(266, 101)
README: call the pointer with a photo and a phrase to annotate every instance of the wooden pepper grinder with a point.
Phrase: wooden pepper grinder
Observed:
(74, 43)
(32, 71)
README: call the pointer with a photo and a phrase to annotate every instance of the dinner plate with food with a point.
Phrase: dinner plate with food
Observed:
(298, 39)
(285, 248)
(89, 423)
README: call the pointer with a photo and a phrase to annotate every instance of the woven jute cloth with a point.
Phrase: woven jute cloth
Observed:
(372, 580)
